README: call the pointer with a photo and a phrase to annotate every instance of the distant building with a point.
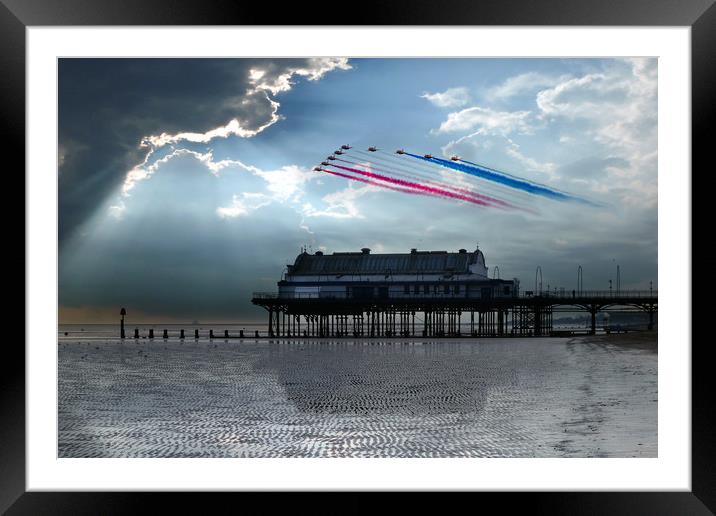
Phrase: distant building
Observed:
(401, 276)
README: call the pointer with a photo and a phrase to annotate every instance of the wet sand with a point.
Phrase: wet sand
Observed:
(590, 396)
(647, 340)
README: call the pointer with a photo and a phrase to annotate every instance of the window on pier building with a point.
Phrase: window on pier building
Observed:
(457, 289)
(436, 289)
(416, 290)
(406, 289)
(426, 289)
(446, 289)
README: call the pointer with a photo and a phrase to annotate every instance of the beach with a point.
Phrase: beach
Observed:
(592, 396)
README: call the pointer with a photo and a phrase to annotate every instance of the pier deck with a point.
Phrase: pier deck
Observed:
(331, 315)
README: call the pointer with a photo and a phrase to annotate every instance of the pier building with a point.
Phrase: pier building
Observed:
(375, 294)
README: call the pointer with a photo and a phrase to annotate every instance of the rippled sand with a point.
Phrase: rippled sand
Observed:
(357, 398)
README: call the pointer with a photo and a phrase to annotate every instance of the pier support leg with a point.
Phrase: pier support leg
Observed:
(593, 313)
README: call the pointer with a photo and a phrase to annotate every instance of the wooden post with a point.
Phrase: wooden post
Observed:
(651, 317)
(122, 312)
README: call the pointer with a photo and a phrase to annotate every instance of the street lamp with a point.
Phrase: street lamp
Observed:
(538, 270)
(610, 288)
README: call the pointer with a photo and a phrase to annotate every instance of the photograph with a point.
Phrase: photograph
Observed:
(357, 257)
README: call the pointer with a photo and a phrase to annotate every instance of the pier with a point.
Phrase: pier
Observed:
(315, 315)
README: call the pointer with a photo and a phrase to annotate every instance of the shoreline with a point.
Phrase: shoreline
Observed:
(638, 339)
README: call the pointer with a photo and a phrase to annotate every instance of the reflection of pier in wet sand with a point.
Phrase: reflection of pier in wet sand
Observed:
(357, 398)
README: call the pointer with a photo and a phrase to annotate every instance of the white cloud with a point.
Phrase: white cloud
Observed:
(341, 204)
(266, 81)
(528, 163)
(117, 210)
(452, 97)
(576, 97)
(232, 128)
(486, 121)
(615, 109)
(522, 83)
(285, 183)
(144, 170)
(608, 112)
(243, 204)
(316, 68)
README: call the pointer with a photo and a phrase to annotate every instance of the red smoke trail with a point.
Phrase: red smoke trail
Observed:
(445, 186)
(376, 183)
(416, 186)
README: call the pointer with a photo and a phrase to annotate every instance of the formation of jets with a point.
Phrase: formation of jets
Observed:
(344, 148)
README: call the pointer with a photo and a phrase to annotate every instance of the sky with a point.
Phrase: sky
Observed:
(185, 185)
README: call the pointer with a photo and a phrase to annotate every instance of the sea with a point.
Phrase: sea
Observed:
(412, 397)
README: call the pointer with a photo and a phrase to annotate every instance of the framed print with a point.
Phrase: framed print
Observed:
(417, 252)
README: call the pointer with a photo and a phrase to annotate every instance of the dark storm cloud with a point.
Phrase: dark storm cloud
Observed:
(106, 107)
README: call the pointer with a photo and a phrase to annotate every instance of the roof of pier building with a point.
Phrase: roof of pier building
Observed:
(363, 262)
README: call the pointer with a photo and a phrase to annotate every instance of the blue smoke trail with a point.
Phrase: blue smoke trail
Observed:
(511, 181)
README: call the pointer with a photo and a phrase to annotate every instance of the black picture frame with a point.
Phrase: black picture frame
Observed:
(700, 15)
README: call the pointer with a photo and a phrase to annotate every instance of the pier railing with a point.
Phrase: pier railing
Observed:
(559, 295)
(602, 294)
